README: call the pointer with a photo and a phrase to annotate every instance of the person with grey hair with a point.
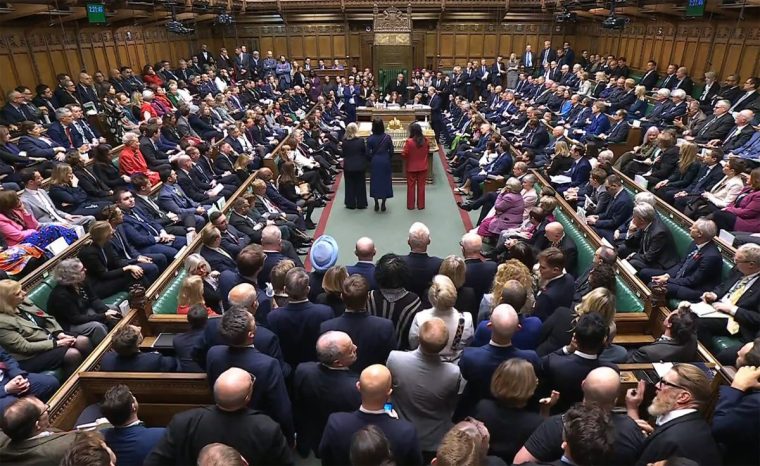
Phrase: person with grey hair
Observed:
(323, 387)
(509, 207)
(195, 264)
(203, 193)
(738, 297)
(603, 255)
(649, 243)
(697, 272)
(75, 305)
(63, 133)
(422, 267)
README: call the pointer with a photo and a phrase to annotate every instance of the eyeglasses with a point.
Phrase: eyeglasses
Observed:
(662, 382)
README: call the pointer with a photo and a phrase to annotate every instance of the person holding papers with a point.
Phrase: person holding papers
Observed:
(733, 308)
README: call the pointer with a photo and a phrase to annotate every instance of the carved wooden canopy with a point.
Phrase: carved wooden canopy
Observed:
(392, 19)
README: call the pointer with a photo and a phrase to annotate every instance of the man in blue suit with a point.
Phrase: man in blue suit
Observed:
(580, 170)
(248, 266)
(62, 131)
(375, 386)
(129, 439)
(479, 273)
(710, 173)
(171, 198)
(238, 329)
(735, 422)
(618, 211)
(127, 357)
(698, 272)
(558, 286)
(297, 324)
(478, 364)
(365, 253)
(599, 123)
(375, 335)
(436, 112)
(421, 266)
(15, 382)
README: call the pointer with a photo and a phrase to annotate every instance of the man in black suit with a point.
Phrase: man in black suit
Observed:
(154, 157)
(422, 267)
(710, 173)
(565, 369)
(171, 222)
(554, 236)
(324, 387)
(255, 435)
(716, 127)
(547, 55)
(237, 329)
(219, 259)
(272, 243)
(696, 273)
(17, 383)
(735, 423)
(557, 287)
(603, 255)
(129, 439)
(375, 388)
(398, 86)
(365, 253)
(683, 81)
(298, 323)
(375, 335)
(678, 342)
(196, 191)
(748, 97)
(739, 298)
(681, 429)
(184, 343)
(739, 134)
(479, 273)
(127, 357)
(649, 80)
(205, 57)
(618, 210)
(649, 243)
(233, 241)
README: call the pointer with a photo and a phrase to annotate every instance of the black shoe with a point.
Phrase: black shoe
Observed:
(350, 208)
(383, 207)
(310, 225)
(465, 206)
(377, 207)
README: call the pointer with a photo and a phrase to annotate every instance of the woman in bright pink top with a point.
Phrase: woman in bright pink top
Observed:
(415, 154)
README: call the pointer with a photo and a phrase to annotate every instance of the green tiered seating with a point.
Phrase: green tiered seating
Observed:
(626, 299)
(167, 301)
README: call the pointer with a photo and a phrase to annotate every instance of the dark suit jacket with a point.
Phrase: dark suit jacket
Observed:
(701, 271)
(649, 80)
(132, 444)
(297, 325)
(422, 268)
(355, 156)
(736, 424)
(374, 336)
(152, 155)
(366, 270)
(319, 391)
(564, 373)
(272, 259)
(568, 248)
(688, 436)
(739, 139)
(183, 344)
(654, 246)
(704, 183)
(664, 351)
(618, 211)
(558, 292)
(218, 261)
(269, 392)
(748, 314)
(715, 128)
(140, 362)
(252, 433)
(336, 440)
(479, 276)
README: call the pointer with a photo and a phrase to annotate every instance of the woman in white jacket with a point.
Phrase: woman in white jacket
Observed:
(722, 194)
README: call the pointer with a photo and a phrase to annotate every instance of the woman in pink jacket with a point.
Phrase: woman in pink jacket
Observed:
(415, 154)
(744, 213)
(509, 211)
(17, 225)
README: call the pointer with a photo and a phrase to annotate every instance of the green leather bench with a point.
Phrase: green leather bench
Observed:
(167, 300)
(626, 299)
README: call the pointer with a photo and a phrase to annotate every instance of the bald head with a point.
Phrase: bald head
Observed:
(375, 386)
(232, 390)
(472, 243)
(434, 336)
(243, 295)
(365, 249)
(554, 231)
(601, 386)
(504, 323)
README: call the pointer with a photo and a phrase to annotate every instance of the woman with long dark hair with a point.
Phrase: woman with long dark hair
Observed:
(415, 154)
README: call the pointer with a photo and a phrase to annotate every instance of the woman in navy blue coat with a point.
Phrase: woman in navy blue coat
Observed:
(638, 108)
(380, 148)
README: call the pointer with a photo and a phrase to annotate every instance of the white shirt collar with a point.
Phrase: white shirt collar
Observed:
(499, 345)
(675, 414)
(371, 411)
(585, 355)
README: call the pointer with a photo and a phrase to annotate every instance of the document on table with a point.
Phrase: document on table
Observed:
(705, 310)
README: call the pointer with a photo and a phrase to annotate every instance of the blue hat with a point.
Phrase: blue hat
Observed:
(323, 253)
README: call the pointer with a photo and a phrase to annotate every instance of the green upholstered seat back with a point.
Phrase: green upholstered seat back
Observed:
(167, 301)
(40, 293)
(681, 236)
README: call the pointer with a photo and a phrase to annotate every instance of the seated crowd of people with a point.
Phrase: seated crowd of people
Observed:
(407, 359)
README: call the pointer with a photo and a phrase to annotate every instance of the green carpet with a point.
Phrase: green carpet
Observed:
(389, 229)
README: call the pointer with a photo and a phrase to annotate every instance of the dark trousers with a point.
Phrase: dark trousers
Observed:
(708, 328)
(356, 189)
(415, 185)
(724, 220)
(486, 203)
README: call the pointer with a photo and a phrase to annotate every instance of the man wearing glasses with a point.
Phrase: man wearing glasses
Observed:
(28, 438)
(680, 430)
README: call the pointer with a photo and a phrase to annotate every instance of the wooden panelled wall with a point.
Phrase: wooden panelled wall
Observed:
(35, 56)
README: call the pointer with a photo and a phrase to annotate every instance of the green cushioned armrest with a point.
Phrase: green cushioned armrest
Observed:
(167, 301)
(721, 343)
(40, 294)
(115, 299)
(725, 271)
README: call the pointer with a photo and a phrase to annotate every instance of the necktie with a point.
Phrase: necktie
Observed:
(67, 130)
(732, 326)
(687, 262)
(741, 99)
(458, 334)
(731, 134)
(528, 61)
(122, 243)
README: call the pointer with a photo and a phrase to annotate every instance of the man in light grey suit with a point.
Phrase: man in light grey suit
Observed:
(425, 389)
(38, 202)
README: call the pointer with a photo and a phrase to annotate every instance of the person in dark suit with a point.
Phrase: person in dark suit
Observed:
(171, 222)
(735, 423)
(399, 87)
(355, 162)
(173, 199)
(375, 387)
(422, 267)
(710, 173)
(478, 364)
(106, 271)
(129, 439)
(374, 335)
(650, 78)
(649, 243)
(554, 236)
(297, 324)
(678, 342)
(696, 273)
(479, 273)
(546, 56)
(716, 127)
(211, 250)
(184, 343)
(603, 255)
(682, 393)
(436, 111)
(233, 241)
(237, 329)
(154, 157)
(365, 253)
(558, 287)
(739, 297)
(739, 134)
(127, 357)
(257, 438)
(17, 382)
(324, 387)
(565, 369)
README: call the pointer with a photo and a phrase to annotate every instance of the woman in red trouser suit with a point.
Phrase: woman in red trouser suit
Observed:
(415, 153)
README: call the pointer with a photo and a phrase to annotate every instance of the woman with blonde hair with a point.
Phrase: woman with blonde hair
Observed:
(190, 294)
(33, 337)
(688, 169)
(197, 265)
(561, 161)
(455, 268)
(443, 296)
(509, 209)
(332, 284)
(638, 108)
(68, 196)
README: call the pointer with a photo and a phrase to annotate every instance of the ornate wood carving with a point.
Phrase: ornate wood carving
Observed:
(392, 19)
